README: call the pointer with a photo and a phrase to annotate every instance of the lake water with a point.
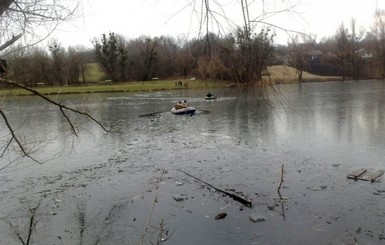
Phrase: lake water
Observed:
(99, 187)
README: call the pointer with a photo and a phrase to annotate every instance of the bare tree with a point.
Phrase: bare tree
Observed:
(57, 56)
(298, 52)
(77, 64)
(343, 50)
(253, 27)
(378, 33)
(112, 54)
(349, 50)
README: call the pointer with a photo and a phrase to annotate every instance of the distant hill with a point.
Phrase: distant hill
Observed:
(288, 74)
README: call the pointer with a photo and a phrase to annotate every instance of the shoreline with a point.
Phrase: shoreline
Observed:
(140, 87)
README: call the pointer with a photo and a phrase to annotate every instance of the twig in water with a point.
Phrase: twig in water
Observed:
(238, 198)
(168, 237)
(15, 138)
(152, 209)
(280, 183)
(32, 224)
(279, 191)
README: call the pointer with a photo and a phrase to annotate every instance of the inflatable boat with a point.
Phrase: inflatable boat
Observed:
(183, 111)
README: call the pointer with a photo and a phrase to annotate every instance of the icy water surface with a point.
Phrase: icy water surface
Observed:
(106, 188)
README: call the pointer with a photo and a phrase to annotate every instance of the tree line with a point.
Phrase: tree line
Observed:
(242, 56)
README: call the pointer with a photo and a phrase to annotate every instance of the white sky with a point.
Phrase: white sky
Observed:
(133, 18)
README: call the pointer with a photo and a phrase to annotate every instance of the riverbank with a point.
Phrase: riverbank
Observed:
(279, 74)
(122, 87)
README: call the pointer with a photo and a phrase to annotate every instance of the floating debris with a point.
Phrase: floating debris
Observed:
(257, 218)
(366, 174)
(319, 188)
(221, 216)
(178, 198)
(235, 196)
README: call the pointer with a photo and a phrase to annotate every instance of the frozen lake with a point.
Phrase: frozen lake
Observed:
(99, 188)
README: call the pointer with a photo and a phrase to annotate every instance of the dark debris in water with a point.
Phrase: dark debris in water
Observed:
(319, 188)
(221, 216)
(152, 114)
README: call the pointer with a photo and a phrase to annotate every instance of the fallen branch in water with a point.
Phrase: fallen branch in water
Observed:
(236, 197)
(280, 183)
(279, 192)
(32, 224)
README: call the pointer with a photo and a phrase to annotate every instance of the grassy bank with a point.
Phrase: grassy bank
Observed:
(285, 75)
(122, 87)
(280, 74)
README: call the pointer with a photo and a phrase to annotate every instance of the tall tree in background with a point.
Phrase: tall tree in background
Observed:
(349, 51)
(167, 50)
(254, 52)
(57, 56)
(106, 50)
(298, 52)
(77, 64)
(149, 57)
(378, 33)
(184, 61)
(356, 61)
(112, 53)
(343, 50)
(253, 31)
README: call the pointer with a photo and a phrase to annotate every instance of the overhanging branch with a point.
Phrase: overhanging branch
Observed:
(61, 106)
(14, 137)
(10, 41)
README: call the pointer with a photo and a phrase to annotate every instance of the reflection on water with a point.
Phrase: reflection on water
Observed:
(333, 117)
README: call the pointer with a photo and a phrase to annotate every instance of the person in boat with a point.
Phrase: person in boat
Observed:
(209, 95)
(179, 105)
(185, 104)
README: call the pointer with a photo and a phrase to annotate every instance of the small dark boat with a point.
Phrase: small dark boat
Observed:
(209, 96)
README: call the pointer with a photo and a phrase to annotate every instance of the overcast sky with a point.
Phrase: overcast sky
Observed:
(133, 18)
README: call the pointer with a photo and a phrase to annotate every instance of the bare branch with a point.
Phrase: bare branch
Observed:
(34, 17)
(4, 5)
(61, 106)
(15, 137)
(6, 147)
(10, 42)
(32, 223)
(69, 121)
(288, 31)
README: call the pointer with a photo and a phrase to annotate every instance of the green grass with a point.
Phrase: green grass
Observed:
(122, 87)
(95, 77)
(94, 73)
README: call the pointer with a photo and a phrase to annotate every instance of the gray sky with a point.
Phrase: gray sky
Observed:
(133, 18)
